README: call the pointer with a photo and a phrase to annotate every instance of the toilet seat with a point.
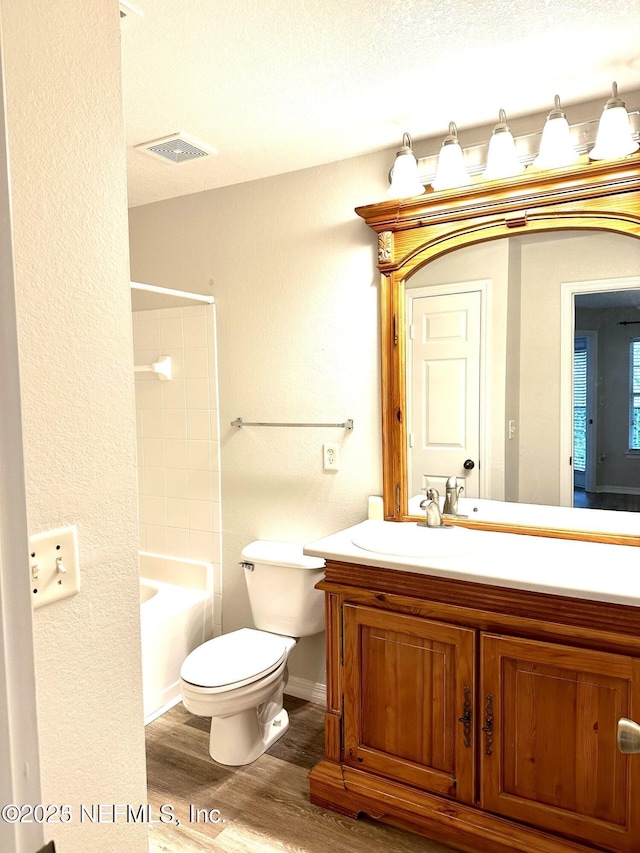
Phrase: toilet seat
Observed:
(234, 660)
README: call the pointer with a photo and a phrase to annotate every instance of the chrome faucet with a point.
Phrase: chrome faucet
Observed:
(432, 506)
(451, 496)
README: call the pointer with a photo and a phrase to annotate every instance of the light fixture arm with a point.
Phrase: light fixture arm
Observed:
(502, 126)
(452, 137)
(615, 100)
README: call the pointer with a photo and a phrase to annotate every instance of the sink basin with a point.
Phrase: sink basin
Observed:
(408, 540)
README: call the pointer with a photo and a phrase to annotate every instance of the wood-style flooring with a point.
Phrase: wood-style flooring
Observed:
(263, 807)
(606, 500)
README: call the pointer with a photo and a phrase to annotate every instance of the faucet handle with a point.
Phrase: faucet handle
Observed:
(433, 494)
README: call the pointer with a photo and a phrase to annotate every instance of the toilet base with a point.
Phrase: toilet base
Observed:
(244, 737)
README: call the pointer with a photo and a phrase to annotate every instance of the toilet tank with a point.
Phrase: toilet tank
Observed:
(281, 580)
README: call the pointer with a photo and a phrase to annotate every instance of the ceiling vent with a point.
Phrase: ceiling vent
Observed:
(177, 148)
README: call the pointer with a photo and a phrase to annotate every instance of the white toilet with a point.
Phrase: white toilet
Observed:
(238, 679)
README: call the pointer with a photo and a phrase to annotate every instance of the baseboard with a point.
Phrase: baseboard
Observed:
(149, 718)
(301, 688)
(618, 490)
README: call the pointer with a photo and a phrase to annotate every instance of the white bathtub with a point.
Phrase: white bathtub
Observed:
(176, 615)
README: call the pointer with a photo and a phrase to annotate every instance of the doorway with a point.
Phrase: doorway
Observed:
(598, 466)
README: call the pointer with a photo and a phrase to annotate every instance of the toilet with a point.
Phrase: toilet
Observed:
(238, 679)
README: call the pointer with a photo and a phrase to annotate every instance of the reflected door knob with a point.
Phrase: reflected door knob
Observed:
(468, 464)
(628, 736)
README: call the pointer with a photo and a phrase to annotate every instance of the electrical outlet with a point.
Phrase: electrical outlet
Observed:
(330, 457)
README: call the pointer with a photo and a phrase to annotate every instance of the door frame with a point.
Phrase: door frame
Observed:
(484, 287)
(20, 777)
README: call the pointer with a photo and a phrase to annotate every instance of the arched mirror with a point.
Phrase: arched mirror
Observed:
(511, 351)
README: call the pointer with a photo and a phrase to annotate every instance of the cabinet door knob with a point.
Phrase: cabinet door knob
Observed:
(468, 464)
(628, 736)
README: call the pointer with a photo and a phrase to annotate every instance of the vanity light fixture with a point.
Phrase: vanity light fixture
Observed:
(556, 147)
(451, 171)
(404, 174)
(502, 159)
(614, 137)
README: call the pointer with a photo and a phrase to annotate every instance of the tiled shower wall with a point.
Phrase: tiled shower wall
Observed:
(178, 437)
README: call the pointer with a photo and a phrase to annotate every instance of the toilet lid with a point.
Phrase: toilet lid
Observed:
(241, 656)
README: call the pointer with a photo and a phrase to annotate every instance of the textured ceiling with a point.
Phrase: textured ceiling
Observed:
(278, 85)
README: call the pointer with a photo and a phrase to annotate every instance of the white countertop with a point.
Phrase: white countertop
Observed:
(588, 570)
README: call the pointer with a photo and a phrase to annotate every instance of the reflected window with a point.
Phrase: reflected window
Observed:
(580, 405)
(634, 396)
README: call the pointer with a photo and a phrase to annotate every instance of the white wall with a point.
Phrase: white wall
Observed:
(67, 169)
(511, 439)
(292, 269)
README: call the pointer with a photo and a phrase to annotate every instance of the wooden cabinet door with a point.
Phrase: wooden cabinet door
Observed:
(548, 749)
(408, 692)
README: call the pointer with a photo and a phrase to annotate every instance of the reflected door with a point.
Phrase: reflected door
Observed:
(444, 360)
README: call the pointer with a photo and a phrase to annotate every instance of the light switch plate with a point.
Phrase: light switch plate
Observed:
(54, 565)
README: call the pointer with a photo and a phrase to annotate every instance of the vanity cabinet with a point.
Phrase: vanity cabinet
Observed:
(548, 751)
(407, 680)
(481, 717)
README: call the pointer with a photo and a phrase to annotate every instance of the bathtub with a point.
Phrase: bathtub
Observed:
(176, 615)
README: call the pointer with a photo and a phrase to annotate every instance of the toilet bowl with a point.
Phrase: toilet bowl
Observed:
(238, 679)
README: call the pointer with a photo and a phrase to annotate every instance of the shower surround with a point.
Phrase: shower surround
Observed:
(178, 438)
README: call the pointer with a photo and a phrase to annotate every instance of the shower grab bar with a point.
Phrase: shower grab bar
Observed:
(162, 367)
(348, 424)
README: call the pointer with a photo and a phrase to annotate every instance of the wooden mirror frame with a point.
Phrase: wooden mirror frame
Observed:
(601, 196)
